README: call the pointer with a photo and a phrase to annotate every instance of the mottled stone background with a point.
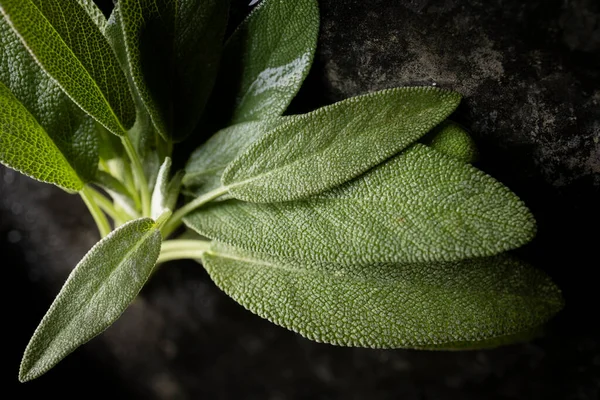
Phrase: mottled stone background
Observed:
(530, 73)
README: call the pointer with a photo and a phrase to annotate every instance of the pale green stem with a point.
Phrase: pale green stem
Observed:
(109, 208)
(97, 214)
(130, 185)
(178, 215)
(104, 166)
(138, 172)
(182, 249)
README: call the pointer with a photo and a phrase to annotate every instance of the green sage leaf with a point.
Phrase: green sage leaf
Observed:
(68, 45)
(25, 146)
(265, 61)
(173, 50)
(166, 190)
(96, 293)
(419, 206)
(327, 147)
(453, 140)
(94, 12)
(208, 162)
(73, 132)
(443, 305)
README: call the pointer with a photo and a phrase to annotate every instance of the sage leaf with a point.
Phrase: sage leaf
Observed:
(206, 164)
(173, 50)
(419, 206)
(453, 140)
(68, 45)
(95, 13)
(73, 132)
(497, 341)
(25, 146)
(389, 305)
(96, 293)
(165, 191)
(265, 61)
(327, 147)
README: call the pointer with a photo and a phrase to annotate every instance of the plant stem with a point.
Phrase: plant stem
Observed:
(178, 215)
(109, 208)
(179, 249)
(138, 172)
(129, 183)
(97, 214)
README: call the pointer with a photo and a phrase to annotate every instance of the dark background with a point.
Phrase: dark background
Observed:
(530, 75)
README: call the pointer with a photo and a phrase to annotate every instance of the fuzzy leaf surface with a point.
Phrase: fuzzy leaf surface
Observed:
(445, 305)
(173, 50)
(165, 190)
(419, 206)
(96, 293)
(72, 131)
(208, 162)
(265, 61)
(25, 146)
(90, 7)
(70, 47)
(317, 151)
(453, 140)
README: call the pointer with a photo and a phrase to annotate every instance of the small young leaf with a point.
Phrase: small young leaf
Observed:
(419, 206)
(66, 42)
(96, 293)
(265, 61)
(72, 131)
(453, 140)
(207, 163)
(173, 50)
(389, 305)
(317, 151)
(25, 146)
(165, 191)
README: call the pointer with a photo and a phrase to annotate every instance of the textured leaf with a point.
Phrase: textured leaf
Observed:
(265, 61)
(143, 135)
(322, 149)
(419, 206)
(453, 140)
(25, 146)
(66, 42)
(206, 164)
(165, 191)
(94, 12)
(70, 129)
(96, 293)
(173, 49)
(389, 305)
(519, 337)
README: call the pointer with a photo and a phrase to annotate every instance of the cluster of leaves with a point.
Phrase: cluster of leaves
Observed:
(361, 223)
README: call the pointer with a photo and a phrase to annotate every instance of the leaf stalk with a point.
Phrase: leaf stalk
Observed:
(99, 217)
(140, 177)
(178, 215)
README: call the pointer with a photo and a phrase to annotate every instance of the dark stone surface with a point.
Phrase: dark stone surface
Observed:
(530, 75)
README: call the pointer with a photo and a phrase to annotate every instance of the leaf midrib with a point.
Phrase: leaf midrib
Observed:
(259, 263)
(24, 42)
